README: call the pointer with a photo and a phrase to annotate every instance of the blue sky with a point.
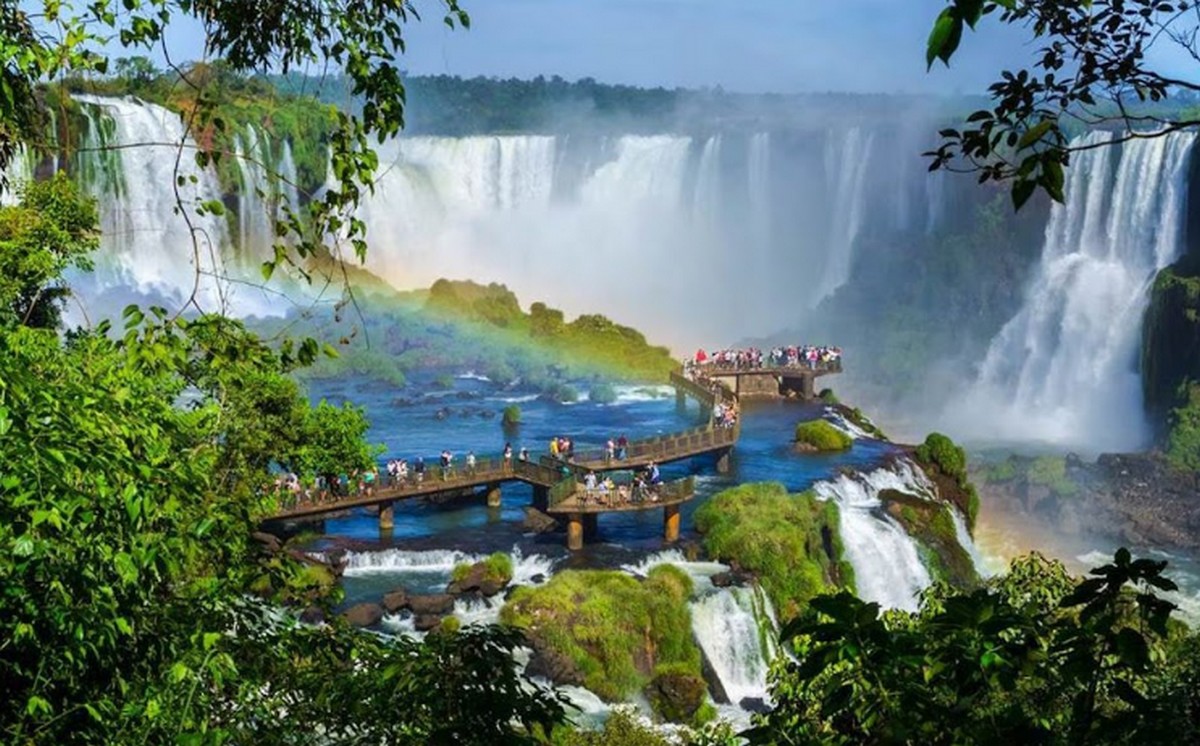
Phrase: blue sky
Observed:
(742, 45)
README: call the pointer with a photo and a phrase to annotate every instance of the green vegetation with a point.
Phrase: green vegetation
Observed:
(51, 230)
(822, 436)
(931, 525)
(624, 727)
(1033, 656)
(511, 416)
(790, 542)
(137, 608)
(465, 326)
(946, 464)
(497, 568)
(1051, 471)
(1183, 442)
(619, 633)
(828, 396)
(1170, 351)
(602, 393)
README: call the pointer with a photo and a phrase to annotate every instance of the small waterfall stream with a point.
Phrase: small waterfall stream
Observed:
(887, 566)
(737, 638)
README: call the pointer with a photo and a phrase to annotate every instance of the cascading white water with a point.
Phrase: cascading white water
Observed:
(707, 199)
(18, 172)
(887, 566)
(729, 628)
(761, 233)
(268, 185)
(145, 243)
(1064, 369)
(847, 158)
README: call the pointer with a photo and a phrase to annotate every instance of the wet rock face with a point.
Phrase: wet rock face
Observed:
(477, 580)
(676, 696)
(1137, 499)
(364, 615)
(437, 603)
(426, 622)
(548, 663)
(395, 600)
(538, 522)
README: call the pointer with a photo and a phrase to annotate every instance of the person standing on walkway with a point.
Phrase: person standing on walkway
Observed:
(471, 463)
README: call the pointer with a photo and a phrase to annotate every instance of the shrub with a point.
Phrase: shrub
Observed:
(499, 567)
(444, 381)
(1051, 472)
(828, 396)
(512, 415)
(780, 537)
(823, 436)
(940, 451)
(602, 393)
(613, 628)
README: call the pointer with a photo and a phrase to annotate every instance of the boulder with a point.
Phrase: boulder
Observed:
(364, 615)
(312, 615)
(550, 664)
(676, 695)
(723, 579)
(538, 522)
(426, 622)
(269, 542)
(477, 580)
(435, 603)
(395, 600)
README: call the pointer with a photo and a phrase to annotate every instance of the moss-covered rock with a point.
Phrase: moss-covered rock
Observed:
(511, 416)
(819, 435)
(1171, 341)
(607, 630)
(945, 463)
(791, 542)
(676, 693)
(602, 393)
(929, 523)
(487, 577)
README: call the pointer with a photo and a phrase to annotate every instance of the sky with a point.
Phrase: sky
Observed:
(741, 45)
(752, 46)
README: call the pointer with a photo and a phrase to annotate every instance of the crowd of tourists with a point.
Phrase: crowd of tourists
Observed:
(754, 358)
(603, 491)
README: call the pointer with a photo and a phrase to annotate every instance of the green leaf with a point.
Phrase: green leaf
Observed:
(944, 38)
(1021, 192)
(1034, 134)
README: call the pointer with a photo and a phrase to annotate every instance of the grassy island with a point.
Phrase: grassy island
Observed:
(819, 435)
(790, 541)
(616, 635)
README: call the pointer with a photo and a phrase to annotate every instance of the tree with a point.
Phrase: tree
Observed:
(51, 230)
(1093, 68)
(334, 441)
(1032, 657)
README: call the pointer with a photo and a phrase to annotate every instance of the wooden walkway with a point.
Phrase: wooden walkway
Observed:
(582, 506)
(557, 484)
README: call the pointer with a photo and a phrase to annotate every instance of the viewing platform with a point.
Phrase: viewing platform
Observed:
(582, 506)
(770, 380)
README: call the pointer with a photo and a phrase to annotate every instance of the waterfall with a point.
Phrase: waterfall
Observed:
(846, 162)
(145, 244)
(19, 171)
(1064, 368)
(758, 189)
(729, 628)
(887, 565)
(267, 186)
(707, 201)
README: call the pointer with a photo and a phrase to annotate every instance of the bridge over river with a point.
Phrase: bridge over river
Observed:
(558, 485)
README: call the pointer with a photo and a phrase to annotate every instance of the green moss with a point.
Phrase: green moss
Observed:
(615, 629)
(602, 393)
(497, 568)
(1183, 440)
(938, 450)
(1051, 472)
(443, 381)
(931, 525)
(822, 436)
(790, 541)
(512, 415)
(828, 396)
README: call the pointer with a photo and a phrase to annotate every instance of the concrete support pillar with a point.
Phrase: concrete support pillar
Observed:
(590, 525)
(493, 495)
(723, 462)
(575, 532)
(671, 523)
(387, 519)
(808, 387)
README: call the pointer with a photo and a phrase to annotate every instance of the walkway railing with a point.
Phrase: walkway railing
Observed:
(626, 497)
(820, 366)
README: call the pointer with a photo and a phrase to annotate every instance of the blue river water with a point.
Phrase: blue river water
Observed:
(412, 424)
